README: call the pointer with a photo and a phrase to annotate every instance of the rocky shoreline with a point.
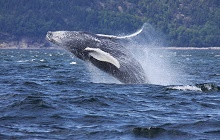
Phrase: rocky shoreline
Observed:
(25, 43)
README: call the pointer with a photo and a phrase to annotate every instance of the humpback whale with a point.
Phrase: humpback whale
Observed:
(103, 51)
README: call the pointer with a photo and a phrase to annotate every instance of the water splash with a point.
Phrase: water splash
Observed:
(148, 49)
(205, 87)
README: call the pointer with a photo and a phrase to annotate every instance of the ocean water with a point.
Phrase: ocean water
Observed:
(49, 94)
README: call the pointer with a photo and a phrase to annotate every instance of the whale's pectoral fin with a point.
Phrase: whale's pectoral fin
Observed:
(122, 37)
(100, 55)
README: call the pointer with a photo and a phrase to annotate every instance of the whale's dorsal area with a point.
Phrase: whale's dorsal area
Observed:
(100, 55)
(122, 37)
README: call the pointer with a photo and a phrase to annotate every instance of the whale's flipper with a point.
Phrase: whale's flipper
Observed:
(122, 37)
(100, 55)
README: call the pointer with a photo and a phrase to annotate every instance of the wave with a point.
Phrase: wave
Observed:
(205, 129)
(205, 87)
(157, 132)
(217, 74)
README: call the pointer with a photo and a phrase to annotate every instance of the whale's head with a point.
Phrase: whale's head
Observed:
(73, 41)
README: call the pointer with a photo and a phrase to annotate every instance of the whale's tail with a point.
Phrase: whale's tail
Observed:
(123, 37)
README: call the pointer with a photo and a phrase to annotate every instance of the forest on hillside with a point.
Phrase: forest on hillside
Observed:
(183, 22)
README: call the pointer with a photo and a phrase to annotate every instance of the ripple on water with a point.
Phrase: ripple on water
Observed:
(45, 96)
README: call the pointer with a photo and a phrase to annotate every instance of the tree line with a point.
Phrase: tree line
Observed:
(184, 22)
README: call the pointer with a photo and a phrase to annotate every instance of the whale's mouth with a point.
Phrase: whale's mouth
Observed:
(49, 36)
(52, 38)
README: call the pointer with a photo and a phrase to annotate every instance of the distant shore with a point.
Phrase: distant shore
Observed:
(191, 48)
(163, 48)
(26, 43)
(34, 48)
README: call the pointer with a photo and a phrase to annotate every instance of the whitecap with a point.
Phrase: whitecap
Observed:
(185, 88)
(73, 63)
(22, 61)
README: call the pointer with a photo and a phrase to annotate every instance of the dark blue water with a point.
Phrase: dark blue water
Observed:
(48, 94)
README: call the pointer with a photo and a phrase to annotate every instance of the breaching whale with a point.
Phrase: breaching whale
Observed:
(103, 51)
